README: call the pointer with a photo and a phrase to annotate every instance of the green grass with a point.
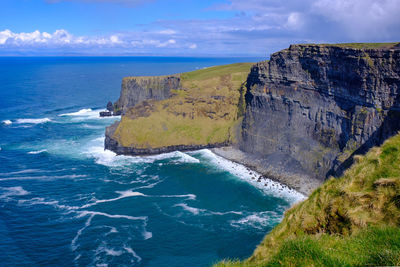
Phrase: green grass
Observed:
(204, 111)
(350, 221)
(211, 72)
(361, 45)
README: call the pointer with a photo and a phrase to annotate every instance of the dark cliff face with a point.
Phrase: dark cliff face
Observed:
(137, 89)
(311, 107)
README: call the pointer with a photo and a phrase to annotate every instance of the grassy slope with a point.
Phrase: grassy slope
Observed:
(204, 112)
(351, 221)
(362, 45)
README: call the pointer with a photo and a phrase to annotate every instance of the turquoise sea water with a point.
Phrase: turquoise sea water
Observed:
(64, 201)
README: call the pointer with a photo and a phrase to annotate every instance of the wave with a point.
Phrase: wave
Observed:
(130, 251)
(268, 186)
(43, 178)
(37, 152)
(193, 210)
(7, 122)
(85, 114)
(180, 157)
(114, 216)
(188, 196)
(110, 159)
(12, 191)
(33, 121)
(33, 171)
(82, 112)
(112, 252)
(258, 220)
(79, 233)
(122, 194)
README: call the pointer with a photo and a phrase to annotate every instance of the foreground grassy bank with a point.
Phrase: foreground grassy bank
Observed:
(350, 221)
(203, 111)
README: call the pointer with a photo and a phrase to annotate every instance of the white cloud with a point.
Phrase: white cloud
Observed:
(115, 39)
(362, 18)
(294, 21)
(255, 27)
(167, 32)
(153, 43)
(58, 38)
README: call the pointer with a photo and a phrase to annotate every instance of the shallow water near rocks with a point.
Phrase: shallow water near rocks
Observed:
(65, 201)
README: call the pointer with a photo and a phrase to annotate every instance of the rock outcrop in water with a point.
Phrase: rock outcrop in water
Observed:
(311, 107)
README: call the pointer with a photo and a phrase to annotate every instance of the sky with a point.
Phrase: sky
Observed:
(231, 28)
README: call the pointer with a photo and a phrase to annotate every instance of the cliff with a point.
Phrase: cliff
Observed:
(305, 112)
(311, 107)
(136, 89)
(350, 221)
(200, 111)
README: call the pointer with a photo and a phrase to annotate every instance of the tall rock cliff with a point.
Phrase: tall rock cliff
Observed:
(137, 89)
(311, 107)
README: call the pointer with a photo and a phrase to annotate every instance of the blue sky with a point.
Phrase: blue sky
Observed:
(189, 27)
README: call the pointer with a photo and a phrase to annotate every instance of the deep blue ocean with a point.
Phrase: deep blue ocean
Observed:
(64, 201)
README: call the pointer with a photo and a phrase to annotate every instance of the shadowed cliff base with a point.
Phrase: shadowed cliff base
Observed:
(272, 169)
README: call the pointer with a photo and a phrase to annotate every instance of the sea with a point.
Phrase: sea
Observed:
(65, 201)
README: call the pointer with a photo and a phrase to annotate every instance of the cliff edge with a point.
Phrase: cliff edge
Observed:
(298, 118)
(187, 111)
(310, 108)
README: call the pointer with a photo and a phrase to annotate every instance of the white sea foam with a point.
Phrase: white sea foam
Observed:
(82, 112)
(74, 246)
(197, 211)
(7, 122)
(31, 171)
(37, 152)
(113, 230)
(44, 178)
(258, 220)
(114, 216)
(188, 196)
(133, 253)
(112, 252)
(122, 194)
(146, 234)
(108, 158)
(193, 210)
(177, 156)
(33, 121)
(12, 191)
(266, 185)
(86, 114)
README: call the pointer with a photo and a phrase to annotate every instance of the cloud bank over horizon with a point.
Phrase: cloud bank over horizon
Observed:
(231, 28)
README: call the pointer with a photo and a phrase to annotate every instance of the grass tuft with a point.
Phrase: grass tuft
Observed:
(350, 221)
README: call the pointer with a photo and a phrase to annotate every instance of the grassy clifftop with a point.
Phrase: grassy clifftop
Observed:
(203, 111)
(350, 221)
(361, 45)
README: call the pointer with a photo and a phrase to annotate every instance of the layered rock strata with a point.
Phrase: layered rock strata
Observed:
(311, 107)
